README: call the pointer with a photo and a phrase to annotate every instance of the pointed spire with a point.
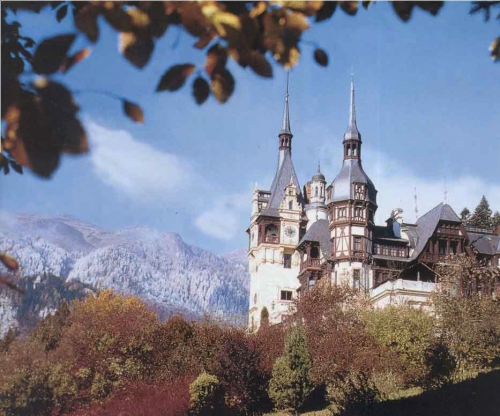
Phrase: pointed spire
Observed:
(319, 166)
(285, 128)
(352, 131)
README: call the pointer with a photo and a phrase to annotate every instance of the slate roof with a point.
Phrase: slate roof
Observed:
(426, 225)
(352, 132)
(352, 171)
(285, 173)
(485, 243)
(320, 233)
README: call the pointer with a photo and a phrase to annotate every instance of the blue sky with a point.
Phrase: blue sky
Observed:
(427, 105)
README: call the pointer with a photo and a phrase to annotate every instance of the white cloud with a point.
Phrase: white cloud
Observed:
(138, 169)
(224, 220)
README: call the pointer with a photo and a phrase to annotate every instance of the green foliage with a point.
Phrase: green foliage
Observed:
(465, 214)
(495, 220)
(408, 332)
(290, 383)
(481, 217)
(264, 317)
(206, 396)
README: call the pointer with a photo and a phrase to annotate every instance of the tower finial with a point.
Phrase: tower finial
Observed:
(285, 129)
(319, 166)
(352, 131)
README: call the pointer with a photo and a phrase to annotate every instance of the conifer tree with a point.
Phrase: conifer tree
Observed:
(481, 217)
(290, 383)
(264, 317)
(465, 214)
(495, 220)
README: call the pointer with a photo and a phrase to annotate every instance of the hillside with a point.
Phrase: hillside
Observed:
(159, 267)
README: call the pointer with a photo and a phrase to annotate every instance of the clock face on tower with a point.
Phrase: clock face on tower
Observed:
(290, 232)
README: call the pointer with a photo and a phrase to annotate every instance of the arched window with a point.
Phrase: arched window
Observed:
(316, 191)
(271, 232)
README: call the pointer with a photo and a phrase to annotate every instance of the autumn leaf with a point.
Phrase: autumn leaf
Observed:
(9, 262)
(259, 64)
(222, 85)
(136, 48)
(403, 9)
(51, 53)
(5, 281)
(495, 49)
(216, 59)
(201, 90)
(72, 60)
(326, 12)
(350, 7)
(175, 77)
(133, 111)
(86, 22)
(321, 57)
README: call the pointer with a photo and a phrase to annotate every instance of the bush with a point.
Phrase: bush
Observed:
(206, 396)
(290, 383)
(139, 399)
(409, 333)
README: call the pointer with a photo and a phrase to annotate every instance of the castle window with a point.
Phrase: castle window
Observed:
(290, 204)
(272, 234)
(453, 247)
(315, 253)
(357, 243)
(287, 261)
(355, 278)
(255, 299)
(359, 191)
(259, 206)
(286, 295)
(322, 192)
(385, 251)
(316, 191)
(442, 247)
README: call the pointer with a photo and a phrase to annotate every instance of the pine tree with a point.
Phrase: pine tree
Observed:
(495, 220)
(264, 317)
(290, 383)
(482, 215)
(465, 214)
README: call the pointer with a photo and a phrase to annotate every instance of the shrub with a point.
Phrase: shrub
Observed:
(409, 333)
(206, 396)
(139, 399)
(290, 383)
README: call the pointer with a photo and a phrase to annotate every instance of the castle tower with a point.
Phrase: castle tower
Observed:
(316, 195)
(352, 202)
(275, 226)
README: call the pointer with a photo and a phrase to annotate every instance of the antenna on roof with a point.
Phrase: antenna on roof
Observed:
(416, 203)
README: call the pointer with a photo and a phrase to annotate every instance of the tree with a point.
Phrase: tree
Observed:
(250, 33)
(207, 398)
(481, 217)
(290, 383)
(465, 214)
(264, 317)
(495, 220)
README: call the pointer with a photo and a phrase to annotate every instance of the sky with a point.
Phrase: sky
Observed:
(427, 102)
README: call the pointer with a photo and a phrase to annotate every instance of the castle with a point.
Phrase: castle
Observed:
(299, 236)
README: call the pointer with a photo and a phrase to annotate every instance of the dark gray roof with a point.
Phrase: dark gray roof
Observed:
(318, 176)
(320, 233)
(485, 243)
(426, 225)
(351, 172)
(285, 173)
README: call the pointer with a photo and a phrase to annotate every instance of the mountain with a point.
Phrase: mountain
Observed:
(159, 267)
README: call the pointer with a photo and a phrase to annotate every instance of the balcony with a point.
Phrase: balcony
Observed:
(271, 239)
(432, 257)
(310, 264)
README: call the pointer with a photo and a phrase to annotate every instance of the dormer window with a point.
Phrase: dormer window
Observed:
(290, 204)
(359, 191)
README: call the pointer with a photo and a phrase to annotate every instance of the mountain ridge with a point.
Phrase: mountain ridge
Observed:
(159, 267)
